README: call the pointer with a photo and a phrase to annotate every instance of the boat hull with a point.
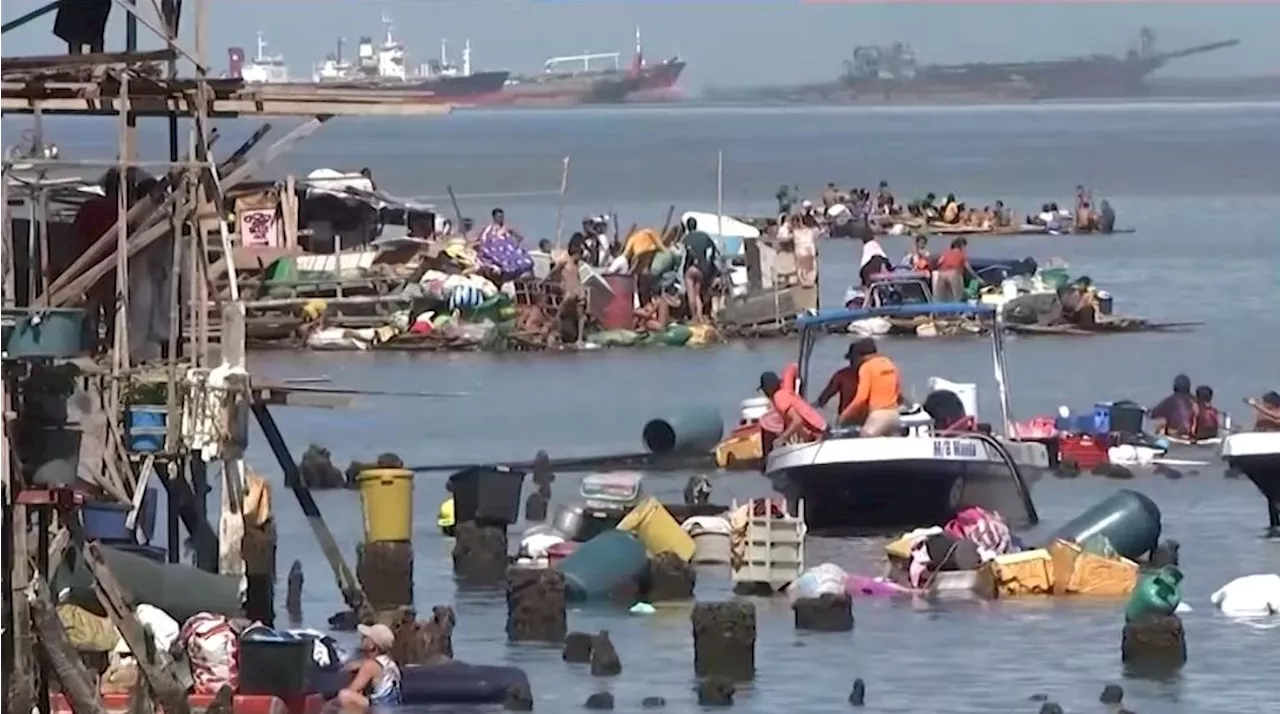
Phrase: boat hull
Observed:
(898, 483)
(469, 89)
(1257, 456)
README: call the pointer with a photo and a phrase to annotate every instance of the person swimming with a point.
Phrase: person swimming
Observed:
(1206, 421)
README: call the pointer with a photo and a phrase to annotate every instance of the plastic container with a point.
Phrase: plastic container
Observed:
(146, 426)
(1127, 418)
(775, 546)
(107, 521)
(1157, 593)
(603, 563)
(46, 333)
(1129, 520)
(1102, 418)
(695, 430)
(274, 665)
(386, 496)
(619, 312)
(966, 392)
(55, 456)
(487, 494)
(654, 525)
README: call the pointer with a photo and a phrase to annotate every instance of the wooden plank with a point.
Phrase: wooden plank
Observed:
(231, 523)
(224, 108)
(77, 686)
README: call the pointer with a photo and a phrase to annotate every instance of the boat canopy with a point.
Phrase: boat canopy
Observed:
(810, 324)
(839, 316)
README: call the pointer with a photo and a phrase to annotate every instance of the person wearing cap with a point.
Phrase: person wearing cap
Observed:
(375, 678)
(875, 404)
(801, 422)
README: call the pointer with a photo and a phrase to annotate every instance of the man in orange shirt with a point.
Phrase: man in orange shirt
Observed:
(801, 422)
(875, 404)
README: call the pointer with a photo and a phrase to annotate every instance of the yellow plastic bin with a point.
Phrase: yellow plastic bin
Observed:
(387, 497)
(654, 525)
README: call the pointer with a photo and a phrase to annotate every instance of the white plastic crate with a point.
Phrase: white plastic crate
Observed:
(775, 548)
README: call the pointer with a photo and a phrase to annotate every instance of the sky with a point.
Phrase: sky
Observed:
(726, 42)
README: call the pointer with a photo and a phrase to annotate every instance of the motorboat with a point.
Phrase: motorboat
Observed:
(607, 498)
(942, 461)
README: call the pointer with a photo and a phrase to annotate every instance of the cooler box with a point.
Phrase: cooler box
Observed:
(279, 666)
(1086, 451)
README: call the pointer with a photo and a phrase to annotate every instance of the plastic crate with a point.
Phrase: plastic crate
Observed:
(775, 548)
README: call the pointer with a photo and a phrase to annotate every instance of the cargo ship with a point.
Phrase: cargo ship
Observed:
(891, 75)
(378, 67)
(594, 78)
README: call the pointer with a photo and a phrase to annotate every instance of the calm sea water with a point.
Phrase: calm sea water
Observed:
(1198, 182)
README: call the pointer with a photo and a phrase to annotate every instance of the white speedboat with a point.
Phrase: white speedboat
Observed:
(1256, 454)
(921, 477)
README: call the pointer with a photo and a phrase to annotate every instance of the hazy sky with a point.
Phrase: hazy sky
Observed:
(725, 42)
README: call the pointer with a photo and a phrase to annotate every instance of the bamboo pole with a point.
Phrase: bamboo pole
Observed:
(560, 207)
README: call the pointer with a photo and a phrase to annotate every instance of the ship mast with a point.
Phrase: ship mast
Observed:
(262, 49)
(466, 58)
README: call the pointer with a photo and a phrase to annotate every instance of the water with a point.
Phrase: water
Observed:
(1198, 182)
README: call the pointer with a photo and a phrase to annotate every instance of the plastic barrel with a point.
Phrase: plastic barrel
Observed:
(52, 333)
(387, 499)
(1129, 520)
(603, 563)
(146, 426)
(657, 529)
(698, 429)
(180, 590)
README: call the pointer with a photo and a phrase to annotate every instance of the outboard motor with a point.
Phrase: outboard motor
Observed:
(697, 491)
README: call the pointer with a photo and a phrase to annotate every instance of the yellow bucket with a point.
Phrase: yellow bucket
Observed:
(654, 525)
(387, 497)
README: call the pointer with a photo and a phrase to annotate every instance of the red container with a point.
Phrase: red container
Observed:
(560, 551)
(619, 312)
(1086, 451)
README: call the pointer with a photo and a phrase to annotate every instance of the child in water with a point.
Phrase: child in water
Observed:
(1206, 420)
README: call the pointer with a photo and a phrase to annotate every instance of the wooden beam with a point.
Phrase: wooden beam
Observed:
(224, 108)
(159, 229)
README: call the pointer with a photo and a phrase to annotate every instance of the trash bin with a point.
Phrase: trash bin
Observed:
(275, 665)
(146, 425)
(386, 496)
(657, 529)
(487, 494)
(55, 456)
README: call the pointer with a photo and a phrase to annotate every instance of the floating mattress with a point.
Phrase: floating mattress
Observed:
(449, 683)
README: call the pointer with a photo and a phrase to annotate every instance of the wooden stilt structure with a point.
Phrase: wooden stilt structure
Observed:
(203, 372)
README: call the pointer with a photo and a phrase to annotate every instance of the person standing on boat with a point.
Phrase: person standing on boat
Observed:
(1174, 414)
(919, 258)
(701, 269)
(874, 260)
(844, 383)
(953, 268)
(1268, 411)
(498, 228)
(875, 403)
(801, 422)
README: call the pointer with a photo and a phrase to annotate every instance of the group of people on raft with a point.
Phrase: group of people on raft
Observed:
(868, 393)
(1190, 415)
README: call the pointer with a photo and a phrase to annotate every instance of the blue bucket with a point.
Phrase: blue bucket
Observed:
(146, 426)
(106, 520)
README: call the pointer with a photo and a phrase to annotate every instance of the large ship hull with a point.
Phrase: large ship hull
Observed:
(655, 83)
(468, 89)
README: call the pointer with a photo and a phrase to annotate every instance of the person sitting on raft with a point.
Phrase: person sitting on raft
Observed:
(801, 422)
(1174, 414)
(875, 403)
(951, 209)
(1267, 408)
(1079, 303)
(1206, 420)
(375, 679)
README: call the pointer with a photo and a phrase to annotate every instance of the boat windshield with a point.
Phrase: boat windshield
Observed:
(816, 324)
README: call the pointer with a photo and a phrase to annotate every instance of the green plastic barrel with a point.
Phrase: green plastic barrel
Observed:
(1128, 520)
(695, 430)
